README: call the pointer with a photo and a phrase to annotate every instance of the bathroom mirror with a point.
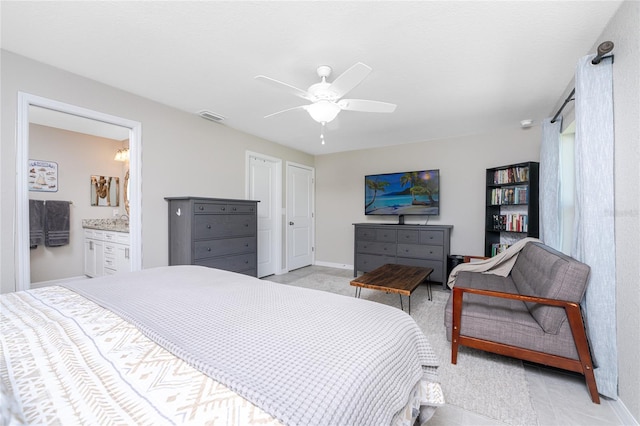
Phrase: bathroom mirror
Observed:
(126, 192)
(105, 191)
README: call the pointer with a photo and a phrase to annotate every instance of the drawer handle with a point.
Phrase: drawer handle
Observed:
(208, 226)
(201, 207)
(208, 248)
(126, 253)
(246, 225)
(246, 244)
(235, 209)
(223, 208)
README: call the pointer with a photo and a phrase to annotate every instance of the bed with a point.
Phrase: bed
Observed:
(196, 345)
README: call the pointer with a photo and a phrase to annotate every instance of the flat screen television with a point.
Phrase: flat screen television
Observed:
(400, 194)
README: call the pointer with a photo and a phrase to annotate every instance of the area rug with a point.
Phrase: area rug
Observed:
(484, 383)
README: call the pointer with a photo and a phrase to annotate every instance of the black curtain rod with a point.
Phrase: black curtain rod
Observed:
(604, 48)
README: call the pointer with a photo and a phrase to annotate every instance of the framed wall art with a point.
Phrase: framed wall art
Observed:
(43, 176)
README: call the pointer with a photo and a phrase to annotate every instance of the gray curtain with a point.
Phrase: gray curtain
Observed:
(594, 220)
(550, 209)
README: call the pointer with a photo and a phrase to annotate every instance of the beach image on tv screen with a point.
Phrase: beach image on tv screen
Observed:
(407, 193)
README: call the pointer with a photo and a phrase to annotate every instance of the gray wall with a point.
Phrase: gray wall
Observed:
(182, 154)
(462, 162)
(624, 31)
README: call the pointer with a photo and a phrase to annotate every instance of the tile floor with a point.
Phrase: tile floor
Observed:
(558, 398)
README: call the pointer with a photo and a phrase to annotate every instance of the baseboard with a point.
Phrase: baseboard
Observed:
(56, 282)
(333, 265)
(623, 413)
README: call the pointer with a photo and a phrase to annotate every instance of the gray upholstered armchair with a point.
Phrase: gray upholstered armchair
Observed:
(532, 314)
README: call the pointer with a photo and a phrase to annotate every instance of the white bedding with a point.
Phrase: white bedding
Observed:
(67, 360)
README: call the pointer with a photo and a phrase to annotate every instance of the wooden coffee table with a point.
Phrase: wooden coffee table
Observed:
(392, 278)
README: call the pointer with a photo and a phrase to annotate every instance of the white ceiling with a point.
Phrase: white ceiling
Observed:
(452, 67)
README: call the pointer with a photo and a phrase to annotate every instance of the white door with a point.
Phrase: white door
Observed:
(299, 216)
(264, 186)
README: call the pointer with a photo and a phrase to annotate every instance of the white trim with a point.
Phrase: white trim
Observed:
(313, 211)
(58, 281)
(334, 265)
(623, 413)
(21, 218)
(278, 202)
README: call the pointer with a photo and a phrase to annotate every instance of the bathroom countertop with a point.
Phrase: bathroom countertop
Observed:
(117, 225)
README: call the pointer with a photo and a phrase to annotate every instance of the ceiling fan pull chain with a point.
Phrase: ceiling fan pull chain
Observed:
(322, 132)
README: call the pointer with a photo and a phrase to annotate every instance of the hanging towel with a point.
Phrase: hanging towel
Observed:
(36, 223)
(57, 215)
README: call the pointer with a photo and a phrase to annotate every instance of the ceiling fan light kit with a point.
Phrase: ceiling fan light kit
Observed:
(326, 98)
(323, 111)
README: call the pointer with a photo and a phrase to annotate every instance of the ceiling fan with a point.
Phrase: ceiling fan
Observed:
(327, 98)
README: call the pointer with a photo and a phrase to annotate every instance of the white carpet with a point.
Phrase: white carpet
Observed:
(484, 383)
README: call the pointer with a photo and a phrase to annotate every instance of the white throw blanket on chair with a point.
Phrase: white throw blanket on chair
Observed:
(500, 264)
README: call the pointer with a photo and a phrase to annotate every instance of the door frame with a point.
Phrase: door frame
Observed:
(290, 164)
(276, 248)
(21, 236)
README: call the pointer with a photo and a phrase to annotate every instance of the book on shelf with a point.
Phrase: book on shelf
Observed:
(515, 195)
(515, 222)
(511, 175)
(497, 248)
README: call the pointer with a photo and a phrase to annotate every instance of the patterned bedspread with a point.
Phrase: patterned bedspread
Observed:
(66, 360)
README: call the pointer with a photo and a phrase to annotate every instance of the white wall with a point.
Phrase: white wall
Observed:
(462, 162)
(182, 154)
(78, 156)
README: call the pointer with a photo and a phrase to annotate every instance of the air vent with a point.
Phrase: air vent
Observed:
(208, 115)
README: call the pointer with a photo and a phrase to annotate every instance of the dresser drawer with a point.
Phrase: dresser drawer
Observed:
(375, 247)
(238, 263)
(212, 248)
(221, 208)
(432, 237)
(376, 234)
(419, 251)
(367, 234)
(386, 235)
(436, 275)
(215, 226)
(240, 208)
(369, 262)
(408, 236)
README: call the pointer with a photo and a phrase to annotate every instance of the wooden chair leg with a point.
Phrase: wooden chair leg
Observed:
(580, 338)
(455, 324)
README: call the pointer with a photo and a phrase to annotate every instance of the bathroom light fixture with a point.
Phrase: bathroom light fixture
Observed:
(122, 155)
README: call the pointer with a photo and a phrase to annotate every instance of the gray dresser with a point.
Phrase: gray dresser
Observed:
(214, 232)
(376, 244)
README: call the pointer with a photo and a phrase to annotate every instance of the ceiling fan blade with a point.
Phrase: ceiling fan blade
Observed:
(280, 85)
(366, 106)
(285, 110)
(350, 79)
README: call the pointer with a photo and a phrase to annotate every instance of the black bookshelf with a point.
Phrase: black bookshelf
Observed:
(511, 205)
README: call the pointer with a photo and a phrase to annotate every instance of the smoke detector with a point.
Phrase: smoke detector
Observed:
(211, 116)
(525, 124)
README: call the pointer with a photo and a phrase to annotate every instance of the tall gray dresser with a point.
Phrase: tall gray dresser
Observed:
(376, 244)
(215, 232)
